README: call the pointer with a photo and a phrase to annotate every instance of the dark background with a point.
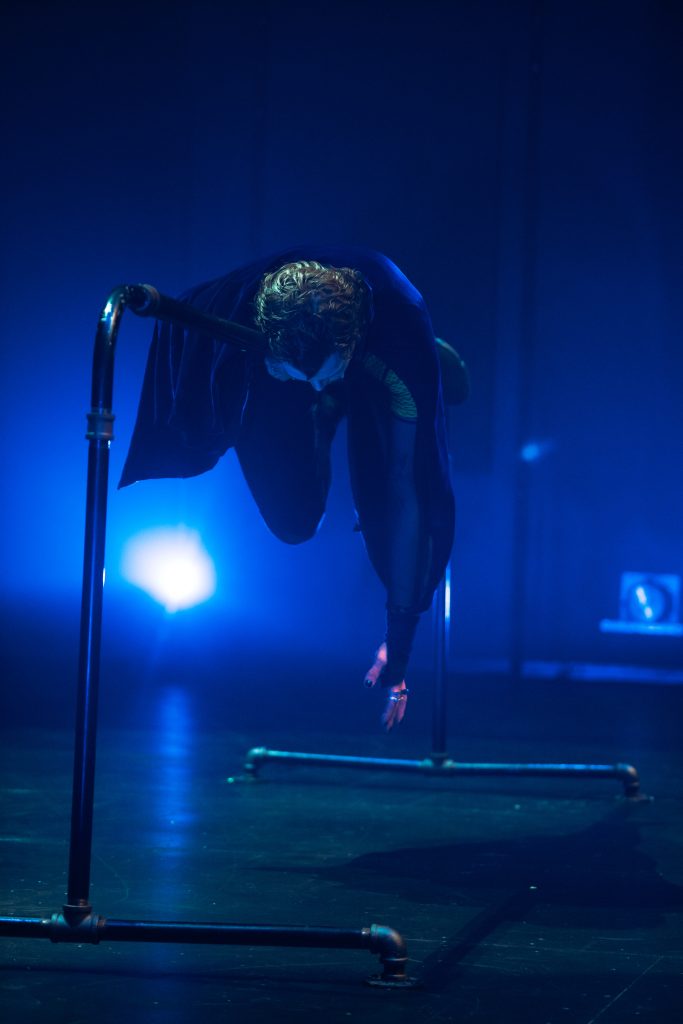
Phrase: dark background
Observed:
(519, 161)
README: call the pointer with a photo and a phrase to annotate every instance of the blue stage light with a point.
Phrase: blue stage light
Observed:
(532, 451)
(171, 564)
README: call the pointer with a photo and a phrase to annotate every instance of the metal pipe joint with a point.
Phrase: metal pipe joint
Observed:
(76, 924)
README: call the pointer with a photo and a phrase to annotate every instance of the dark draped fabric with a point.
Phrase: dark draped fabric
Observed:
(196, 390)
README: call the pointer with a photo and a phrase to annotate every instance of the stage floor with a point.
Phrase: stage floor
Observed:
(535, 901)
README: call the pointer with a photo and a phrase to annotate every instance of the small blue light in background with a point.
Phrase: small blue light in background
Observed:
(532, 451)
(171, 564)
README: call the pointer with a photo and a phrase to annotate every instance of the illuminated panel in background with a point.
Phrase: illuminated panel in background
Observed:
(171, 564)
(649, 603)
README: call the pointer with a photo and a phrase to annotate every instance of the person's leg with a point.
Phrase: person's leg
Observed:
(284, 451)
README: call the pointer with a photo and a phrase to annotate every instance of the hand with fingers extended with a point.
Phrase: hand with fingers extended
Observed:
(397, 694)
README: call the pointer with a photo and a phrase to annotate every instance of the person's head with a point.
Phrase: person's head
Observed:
(313, 316)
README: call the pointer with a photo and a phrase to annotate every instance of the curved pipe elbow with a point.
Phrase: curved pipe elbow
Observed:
(628, 775)
(388, 943)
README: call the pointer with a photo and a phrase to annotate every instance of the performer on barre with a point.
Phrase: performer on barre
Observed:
(347, 335)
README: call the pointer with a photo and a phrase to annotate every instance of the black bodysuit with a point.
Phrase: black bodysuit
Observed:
(201, 396)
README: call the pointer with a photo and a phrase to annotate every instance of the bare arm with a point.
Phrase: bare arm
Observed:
(408, 549)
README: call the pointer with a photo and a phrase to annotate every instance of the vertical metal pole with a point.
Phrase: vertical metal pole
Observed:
(439, 711)
(144, 300)
(88, 675)
(99, 435)
(528, 344)
(442, 625)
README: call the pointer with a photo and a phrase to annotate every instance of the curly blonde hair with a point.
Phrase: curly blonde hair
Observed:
(308, 310)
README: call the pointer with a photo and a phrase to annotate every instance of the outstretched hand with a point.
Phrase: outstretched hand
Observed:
(397, 696)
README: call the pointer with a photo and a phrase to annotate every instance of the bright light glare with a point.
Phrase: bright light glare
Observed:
(172, 565)
(447, 595)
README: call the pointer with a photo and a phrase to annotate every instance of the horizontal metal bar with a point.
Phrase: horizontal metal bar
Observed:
(145, 300)
(232, 934)
(625, 773)
(258, 755)
(25, 927)
(72, 926)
